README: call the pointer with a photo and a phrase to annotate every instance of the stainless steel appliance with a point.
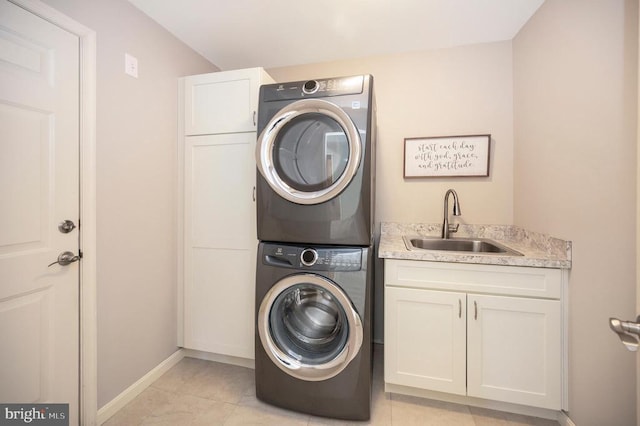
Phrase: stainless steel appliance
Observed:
(313, 329)
(315, 155)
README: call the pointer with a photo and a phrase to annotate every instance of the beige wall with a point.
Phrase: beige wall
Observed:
(461, 91)
(136, 188)
(575, 100)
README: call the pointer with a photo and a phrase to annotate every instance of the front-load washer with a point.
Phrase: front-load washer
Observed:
(313, 329)
(315, 156)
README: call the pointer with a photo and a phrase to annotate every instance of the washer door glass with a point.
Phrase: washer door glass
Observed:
(309, 327)
(309, 151)
(308, 324)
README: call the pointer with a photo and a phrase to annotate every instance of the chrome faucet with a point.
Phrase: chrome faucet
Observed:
(446, 228)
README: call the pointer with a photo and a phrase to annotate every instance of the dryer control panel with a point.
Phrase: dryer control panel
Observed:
(312, 258)
(313, 88)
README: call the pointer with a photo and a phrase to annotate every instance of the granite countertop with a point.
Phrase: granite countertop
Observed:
(538, 250)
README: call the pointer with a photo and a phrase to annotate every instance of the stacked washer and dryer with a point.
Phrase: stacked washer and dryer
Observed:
(314, 279)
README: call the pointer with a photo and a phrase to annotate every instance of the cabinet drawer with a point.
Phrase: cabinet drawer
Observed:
(508, 280)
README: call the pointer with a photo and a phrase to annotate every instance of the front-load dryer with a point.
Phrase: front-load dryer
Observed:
(315, 156)
(313, 329)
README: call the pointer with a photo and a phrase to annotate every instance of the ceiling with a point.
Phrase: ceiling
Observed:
(274, 33)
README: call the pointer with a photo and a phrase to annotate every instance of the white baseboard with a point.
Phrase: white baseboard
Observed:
(475, 402)
(225, 359)
(117, 403)
(564, 419)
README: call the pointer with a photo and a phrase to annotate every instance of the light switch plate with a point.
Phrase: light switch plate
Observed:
(131, 65)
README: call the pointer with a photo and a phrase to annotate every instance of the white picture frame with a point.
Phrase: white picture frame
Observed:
(447, 156)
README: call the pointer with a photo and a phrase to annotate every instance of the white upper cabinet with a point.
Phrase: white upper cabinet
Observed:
(222, 102)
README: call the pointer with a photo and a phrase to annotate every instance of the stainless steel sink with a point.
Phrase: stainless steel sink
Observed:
(464, 245)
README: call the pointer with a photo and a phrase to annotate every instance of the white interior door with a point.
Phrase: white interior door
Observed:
(39, 176)
(638, 230)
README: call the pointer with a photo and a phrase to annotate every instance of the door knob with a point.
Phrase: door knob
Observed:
(627, 332)
(66, 226)
(65, 258)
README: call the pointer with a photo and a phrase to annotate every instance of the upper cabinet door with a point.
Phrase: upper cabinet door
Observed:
(222, 102)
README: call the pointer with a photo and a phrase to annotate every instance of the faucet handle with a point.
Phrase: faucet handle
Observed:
(454, 227)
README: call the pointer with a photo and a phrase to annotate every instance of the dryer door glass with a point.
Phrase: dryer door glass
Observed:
(309, 151)
(309, 327)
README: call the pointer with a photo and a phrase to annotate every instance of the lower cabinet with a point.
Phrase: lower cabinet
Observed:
(425, 339)
(502, 347)
(514, 350)
(219, 246)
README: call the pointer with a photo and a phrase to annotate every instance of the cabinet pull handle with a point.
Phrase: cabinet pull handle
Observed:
(254, 194)
(459, 308)
(475, 313)
(254, 118)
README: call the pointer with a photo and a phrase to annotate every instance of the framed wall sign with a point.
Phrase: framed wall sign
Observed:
(446, 156)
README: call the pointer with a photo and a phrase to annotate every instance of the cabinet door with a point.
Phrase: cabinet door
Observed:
(425, 339)
(219, 244)
(514, 350)
(222, 102)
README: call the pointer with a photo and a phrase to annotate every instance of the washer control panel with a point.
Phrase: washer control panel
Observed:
(310, 87)
(314, 258)
(309, 257)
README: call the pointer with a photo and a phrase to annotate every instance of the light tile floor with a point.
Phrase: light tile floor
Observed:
(197, 392)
